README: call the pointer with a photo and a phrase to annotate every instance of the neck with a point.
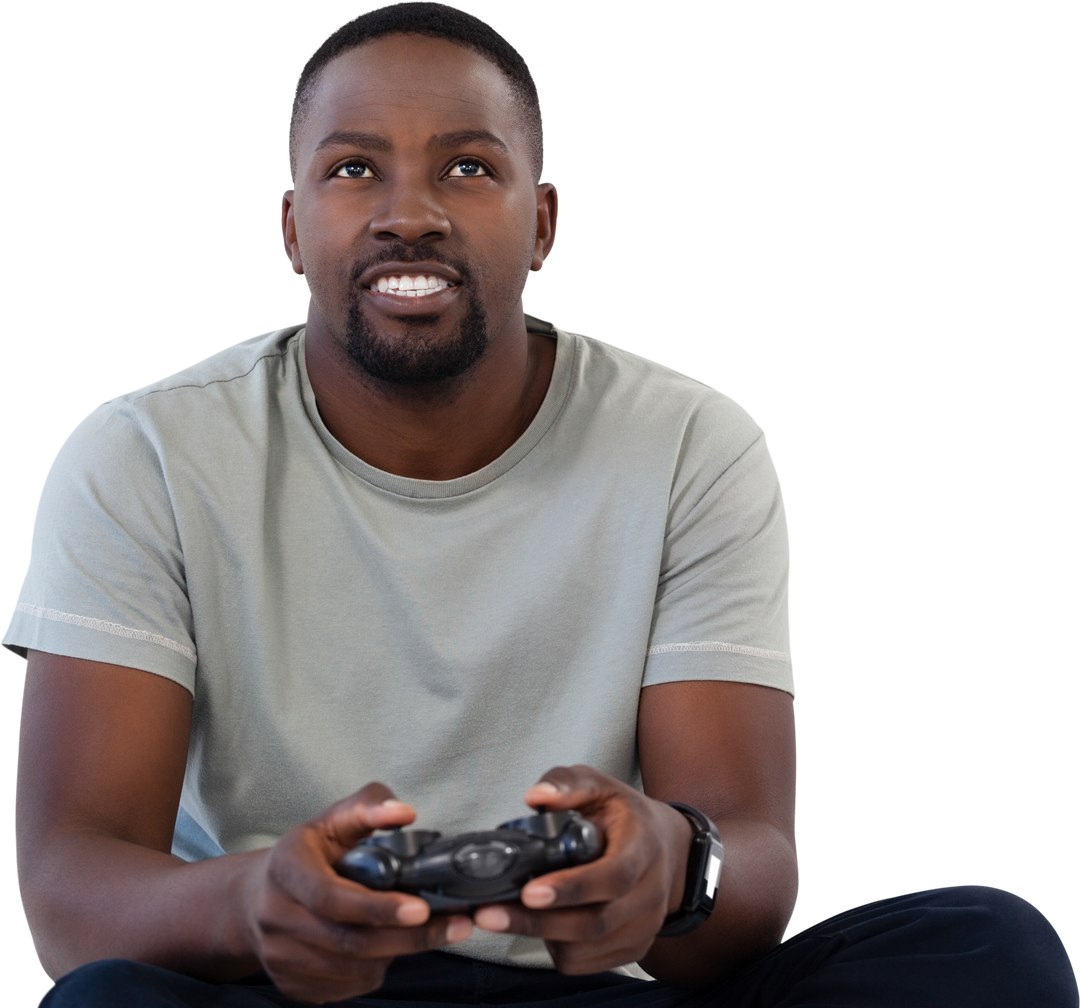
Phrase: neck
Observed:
(436, 432)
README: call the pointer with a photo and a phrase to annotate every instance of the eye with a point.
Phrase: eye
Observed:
(354, 171)
(466, 168)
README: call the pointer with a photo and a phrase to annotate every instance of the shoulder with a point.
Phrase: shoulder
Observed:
(235, 365)
(125, 434)
(247, 360)
(649, 404)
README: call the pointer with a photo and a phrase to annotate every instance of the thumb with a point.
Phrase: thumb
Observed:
(350, 820)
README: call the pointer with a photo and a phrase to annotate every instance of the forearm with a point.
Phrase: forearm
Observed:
(90, 897)
(755, 898)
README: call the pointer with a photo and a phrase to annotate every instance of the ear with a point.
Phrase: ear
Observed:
(547, 210)
(288, 231)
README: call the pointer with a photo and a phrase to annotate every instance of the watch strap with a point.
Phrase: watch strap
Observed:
(702, 875)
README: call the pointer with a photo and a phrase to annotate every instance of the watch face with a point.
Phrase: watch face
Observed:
(712, 872)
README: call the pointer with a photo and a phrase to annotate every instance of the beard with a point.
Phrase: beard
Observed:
(416, 357)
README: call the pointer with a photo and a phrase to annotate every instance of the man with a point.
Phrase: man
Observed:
(427, 541)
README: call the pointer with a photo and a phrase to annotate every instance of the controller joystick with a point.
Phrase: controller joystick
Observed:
(473, 869)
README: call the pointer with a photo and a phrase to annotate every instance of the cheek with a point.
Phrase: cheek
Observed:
(327, 235)
(510, 240)
(504, 270)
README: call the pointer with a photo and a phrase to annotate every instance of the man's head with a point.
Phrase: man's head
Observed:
(434, 21)
(416, 151)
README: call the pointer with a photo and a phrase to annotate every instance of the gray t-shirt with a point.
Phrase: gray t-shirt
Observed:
(338, 624)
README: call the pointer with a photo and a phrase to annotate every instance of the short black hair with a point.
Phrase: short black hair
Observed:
(434, 20)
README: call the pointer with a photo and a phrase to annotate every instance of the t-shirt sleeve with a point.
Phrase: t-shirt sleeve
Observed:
(106, 580)
(721, 605)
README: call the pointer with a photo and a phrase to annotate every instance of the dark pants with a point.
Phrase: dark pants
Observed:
(948, 948)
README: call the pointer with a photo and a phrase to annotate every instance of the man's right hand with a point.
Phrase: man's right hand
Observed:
(103, 754)
(321, 937)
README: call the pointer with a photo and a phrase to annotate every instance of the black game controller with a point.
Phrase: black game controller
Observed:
(473, 869)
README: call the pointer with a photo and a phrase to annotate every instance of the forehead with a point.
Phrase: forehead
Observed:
(410, 82)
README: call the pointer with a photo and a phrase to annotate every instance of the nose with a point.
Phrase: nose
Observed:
(411, 214)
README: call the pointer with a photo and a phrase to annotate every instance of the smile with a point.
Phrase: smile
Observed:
(410, 286)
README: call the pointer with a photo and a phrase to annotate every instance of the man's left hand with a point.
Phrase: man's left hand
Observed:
(597, 916)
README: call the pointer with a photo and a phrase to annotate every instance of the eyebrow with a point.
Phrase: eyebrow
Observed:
(372, 141)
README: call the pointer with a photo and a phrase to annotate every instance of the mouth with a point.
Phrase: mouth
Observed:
(419, 288)
(410, 285)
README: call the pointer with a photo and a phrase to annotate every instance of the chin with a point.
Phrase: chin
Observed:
(421, 352)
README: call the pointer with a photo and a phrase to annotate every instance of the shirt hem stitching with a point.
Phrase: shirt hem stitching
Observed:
(116, 629)
(743, 649)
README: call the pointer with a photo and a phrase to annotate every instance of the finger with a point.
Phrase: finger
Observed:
(547, 793)
(439, 933)
(581, 787)
(350, 820)
(298, 873)
(576, 959)
(582, 942)
(347, 902)
(352, 942)
(314, 955)
(578, 924)
(573, 787)
(610, 877)
(326, 894)
(301, 864)
(315, 981)
(630, 854)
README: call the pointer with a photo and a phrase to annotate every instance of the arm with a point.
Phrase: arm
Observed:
(728, 749)
(102, 756)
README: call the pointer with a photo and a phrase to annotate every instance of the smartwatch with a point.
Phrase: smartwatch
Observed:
(702, 874)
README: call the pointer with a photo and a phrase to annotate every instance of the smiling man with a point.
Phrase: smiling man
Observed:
(426, 540)
(416, 219)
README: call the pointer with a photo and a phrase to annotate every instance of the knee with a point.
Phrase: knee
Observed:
(1000, 908)
(1021, 933)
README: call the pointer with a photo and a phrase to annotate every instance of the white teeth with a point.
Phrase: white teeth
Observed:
(410, 286)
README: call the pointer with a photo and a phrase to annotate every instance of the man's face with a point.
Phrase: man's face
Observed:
(415, 213)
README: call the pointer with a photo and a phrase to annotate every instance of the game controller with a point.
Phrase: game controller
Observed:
(473, 869)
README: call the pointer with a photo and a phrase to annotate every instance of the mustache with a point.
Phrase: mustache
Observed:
(400, 252)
